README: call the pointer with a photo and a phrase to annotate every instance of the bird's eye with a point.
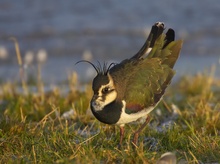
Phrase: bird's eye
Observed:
(105, 90)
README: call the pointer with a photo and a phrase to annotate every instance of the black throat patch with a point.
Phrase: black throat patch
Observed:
(110, 114)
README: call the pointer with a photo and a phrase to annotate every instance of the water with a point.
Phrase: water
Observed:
(111, 30)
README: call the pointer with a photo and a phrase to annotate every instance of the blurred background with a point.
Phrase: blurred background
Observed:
(57, 34)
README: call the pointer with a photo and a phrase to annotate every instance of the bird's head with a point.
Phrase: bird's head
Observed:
(103, 87)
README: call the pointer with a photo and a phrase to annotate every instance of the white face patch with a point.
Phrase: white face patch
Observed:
(106, 95)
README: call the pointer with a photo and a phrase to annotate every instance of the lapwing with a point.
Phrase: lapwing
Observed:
(130, 90)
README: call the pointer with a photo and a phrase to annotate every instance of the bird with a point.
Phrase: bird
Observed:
(130, 90)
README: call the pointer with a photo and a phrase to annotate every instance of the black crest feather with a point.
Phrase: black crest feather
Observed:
(100, 69)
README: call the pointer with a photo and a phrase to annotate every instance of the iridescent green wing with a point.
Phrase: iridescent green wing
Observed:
(152, 75)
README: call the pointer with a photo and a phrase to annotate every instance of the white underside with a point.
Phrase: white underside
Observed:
(126, 118)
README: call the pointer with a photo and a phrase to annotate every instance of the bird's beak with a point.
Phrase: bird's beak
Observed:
(95, 103)
(95, 97)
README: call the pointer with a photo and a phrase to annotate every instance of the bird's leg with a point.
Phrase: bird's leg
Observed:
(136, 134)
(122, 132)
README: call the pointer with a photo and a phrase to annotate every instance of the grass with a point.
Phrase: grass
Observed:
(32, 129)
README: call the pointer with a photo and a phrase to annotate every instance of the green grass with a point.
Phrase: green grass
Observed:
(33, 131)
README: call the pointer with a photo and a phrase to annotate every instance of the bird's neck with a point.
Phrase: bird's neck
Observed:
(110, 114)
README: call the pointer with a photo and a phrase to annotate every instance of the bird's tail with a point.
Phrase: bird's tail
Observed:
(166, 48)
(160, 45)
(156, 30)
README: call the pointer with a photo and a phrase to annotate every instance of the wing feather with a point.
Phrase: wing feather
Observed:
(141, 82)
(148, 83)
